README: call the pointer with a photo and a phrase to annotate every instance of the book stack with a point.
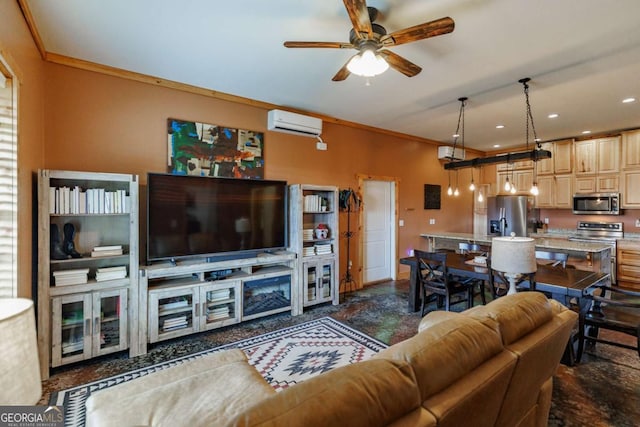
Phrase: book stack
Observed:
(68, 200)
(218, 313)
(111, 273)
(76, 276)
(100, 251)
(308, 251)
(313, 203)
(219, 295)
(172, 303)
(323, 248)
(174, 323)
(307, 234)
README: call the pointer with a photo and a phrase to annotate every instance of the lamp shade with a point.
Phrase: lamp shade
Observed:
(19, 367)
(516, 255)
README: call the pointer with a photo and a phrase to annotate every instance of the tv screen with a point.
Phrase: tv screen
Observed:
(193, 216)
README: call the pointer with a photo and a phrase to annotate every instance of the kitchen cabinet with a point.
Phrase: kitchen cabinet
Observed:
(598, 184)
(630, 195)
(631, 150)
(597, 156)
(521, 179)
(628, 263)
(561, 158)
(556, 191)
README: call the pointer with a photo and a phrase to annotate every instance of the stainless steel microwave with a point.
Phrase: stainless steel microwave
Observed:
(596, 204)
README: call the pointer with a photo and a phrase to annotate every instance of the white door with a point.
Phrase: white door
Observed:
(378, 214)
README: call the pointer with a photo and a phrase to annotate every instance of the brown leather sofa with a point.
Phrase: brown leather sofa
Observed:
(491, 365)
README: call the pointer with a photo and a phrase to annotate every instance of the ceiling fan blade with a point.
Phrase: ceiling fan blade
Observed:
(398, 63)
(335, 45)
(419, 32)
(342, 73)
(359, 15)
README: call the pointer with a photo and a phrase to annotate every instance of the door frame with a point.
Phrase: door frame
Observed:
(394, 229)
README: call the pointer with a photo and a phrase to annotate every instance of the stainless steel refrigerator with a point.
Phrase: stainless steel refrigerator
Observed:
(511, 214)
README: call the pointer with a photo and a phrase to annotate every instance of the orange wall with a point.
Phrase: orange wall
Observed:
(96, 122)
(21, 54)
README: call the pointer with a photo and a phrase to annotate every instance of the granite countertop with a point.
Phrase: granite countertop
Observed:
(546, 242)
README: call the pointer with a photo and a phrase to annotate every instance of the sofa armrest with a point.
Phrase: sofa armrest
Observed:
(204, 391)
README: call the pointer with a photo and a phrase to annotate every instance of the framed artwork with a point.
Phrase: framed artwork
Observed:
(431, 196)
(210, 150)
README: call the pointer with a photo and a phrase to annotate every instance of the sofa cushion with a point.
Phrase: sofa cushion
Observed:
(370, 393)
(517, 314)
(209, 390)
(446, 351)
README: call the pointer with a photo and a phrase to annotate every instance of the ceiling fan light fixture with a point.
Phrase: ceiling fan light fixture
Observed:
(367, 64)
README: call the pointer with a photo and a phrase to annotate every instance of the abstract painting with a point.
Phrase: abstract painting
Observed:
(211, 150)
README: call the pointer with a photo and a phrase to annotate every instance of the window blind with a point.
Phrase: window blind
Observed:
(8, 190)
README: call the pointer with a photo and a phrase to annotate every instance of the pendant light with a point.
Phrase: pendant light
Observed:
(472, 186)
(457, 135)
(529, 118)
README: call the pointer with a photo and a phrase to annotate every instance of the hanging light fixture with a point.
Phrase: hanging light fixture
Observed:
(456, 192)
(368, 63)
(457, 135)
(472, 186)
(535, 154)
(513, 182)
(450, 190)
(507, 184)
(529, 118)
(480, 196)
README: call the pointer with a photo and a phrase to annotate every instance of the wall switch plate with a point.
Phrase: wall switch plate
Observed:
(546, 220)
(401, 223)
(432, 221)
(638, 223)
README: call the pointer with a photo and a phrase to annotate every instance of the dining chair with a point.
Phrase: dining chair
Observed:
(554, 259)
(499, 284)
(612, 308)
(474, 248)
(436, 281)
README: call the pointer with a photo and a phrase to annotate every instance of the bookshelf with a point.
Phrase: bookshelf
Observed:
(313, 210)
(87, 265)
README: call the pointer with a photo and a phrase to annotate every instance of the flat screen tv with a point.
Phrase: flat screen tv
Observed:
(216, 218)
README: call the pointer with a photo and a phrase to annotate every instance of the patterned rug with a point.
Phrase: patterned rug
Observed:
(283, 357)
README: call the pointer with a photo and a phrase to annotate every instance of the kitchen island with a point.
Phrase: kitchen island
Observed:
(582, 255)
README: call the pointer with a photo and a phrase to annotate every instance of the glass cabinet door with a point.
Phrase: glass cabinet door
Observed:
(71, 329)
(219, 304)
(172, 313)
(109, 321)
(318, 281)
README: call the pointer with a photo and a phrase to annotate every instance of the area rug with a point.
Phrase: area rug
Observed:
(283, 357)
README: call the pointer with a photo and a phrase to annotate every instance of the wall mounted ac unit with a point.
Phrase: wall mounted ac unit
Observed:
(297, 124)
(445, 152)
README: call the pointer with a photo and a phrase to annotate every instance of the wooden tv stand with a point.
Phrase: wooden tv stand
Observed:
(186, 297)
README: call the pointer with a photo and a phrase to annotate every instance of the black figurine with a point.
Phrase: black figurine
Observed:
(67, 244)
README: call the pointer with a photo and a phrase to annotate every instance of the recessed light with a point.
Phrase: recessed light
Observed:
(628, 100)
(553, 115)
(455, 135)
(496, 145)
(499, 126)
(585, 132)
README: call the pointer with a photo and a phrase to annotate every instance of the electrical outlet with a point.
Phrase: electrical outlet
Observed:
(401, 223)
(546, 220)
(638, 223)
(432, 221)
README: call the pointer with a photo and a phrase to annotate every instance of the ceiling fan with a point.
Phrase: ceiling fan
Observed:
(371, 39)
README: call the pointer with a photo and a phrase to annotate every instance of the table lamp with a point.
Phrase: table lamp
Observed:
(19, 367)
(513, 256)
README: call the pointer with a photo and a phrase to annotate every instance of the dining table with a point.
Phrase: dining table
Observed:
(569, 286)
(561, 284)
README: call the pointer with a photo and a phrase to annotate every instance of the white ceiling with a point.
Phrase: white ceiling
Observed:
(583, 57)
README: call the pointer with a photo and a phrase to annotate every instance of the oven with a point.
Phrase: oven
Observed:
(606, 233)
